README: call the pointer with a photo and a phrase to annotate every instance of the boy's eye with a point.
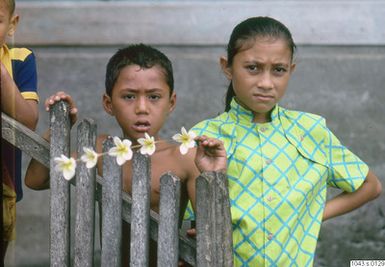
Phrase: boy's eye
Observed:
(128, 97)
(252, 68)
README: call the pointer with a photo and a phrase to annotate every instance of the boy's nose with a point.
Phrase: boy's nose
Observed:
(141, 105)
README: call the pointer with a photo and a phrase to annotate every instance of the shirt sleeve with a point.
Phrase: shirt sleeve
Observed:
(347, 171)
(25, 76)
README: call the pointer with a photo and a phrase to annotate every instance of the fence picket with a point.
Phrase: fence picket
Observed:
(168, 220)
(213, 222)
(214, 229)
(85, 199)
(60, 188)
(140, 210)
(111, 210)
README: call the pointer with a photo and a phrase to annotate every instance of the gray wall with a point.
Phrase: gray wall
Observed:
(340, 75)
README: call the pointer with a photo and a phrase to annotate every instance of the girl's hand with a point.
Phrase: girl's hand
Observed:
(210, 155)
(66, 97)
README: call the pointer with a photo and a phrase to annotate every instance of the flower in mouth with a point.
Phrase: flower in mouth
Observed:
(90, 157)
(186, 139)
(122, 150)
(66, 165)
(147, 145)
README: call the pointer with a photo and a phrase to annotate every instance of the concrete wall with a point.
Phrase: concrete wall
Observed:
(340, 75)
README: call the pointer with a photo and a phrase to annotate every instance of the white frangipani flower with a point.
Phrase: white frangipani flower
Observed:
(186, 139)
(66, 165)
(148, 145)
(122, 150)
(90, 157)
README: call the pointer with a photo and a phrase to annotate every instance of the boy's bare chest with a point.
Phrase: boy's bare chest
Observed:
(159, 166)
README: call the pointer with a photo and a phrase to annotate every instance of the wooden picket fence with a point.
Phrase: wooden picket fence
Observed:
(213, 245)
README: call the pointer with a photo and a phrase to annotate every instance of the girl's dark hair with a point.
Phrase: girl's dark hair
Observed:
(137, 54)
(253, 28)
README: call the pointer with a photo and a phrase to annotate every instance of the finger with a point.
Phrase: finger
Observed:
(191, 232)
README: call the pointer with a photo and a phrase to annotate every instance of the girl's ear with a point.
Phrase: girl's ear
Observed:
(225, 68)
(12, 25)
(107, 104)
(292, 68)
(172, 102)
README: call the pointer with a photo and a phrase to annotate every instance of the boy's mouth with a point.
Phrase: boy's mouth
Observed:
(141, 126)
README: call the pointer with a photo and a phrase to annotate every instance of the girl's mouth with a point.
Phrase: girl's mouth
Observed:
(263, 98)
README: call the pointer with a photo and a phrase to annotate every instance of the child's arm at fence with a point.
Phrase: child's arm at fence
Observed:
(37, 175)
(13, 103)
(210, 156)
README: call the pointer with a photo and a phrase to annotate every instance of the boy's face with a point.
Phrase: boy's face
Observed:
(140, 101)
(8, 22)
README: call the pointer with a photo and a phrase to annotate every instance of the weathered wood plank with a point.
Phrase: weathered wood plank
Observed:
(85, 198)
(60, 190)
(112, 209)
(140, 210)
(168, 224)
(213, 221)
(25, 139)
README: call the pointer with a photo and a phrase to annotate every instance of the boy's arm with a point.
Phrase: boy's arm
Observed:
(13, 103)
(345, 202)
(37, 175)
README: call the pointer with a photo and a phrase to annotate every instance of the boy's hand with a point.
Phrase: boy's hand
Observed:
(210, 155)
(66, 97)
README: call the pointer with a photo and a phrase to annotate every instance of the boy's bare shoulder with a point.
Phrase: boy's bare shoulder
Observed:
(99, 142)
(169, 157)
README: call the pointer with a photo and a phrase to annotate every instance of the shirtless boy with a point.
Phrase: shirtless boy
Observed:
(139, 94)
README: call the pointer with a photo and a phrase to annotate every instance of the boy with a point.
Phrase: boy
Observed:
(139, 94)
(18, 100)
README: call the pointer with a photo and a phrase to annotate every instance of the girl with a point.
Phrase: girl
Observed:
(280, 161)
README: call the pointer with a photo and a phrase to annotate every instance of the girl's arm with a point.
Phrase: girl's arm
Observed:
(37, 175)
(346, 202)
(209, 156)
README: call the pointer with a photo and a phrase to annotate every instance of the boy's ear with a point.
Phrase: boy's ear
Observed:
(107, 104)
(225, 68)
(13, 25)
(172, 102)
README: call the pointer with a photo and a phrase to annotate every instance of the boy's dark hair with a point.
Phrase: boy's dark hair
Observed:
(250, 29)
(137, 54)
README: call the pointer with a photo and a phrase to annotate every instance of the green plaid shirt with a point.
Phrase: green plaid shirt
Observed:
(278, 174)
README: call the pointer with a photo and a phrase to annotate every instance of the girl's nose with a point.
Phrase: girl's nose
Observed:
(265, 81)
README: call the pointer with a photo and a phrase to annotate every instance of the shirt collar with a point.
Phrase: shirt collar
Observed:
(5, 58)
(245, 116)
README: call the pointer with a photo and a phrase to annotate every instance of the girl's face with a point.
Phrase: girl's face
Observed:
(260, 74)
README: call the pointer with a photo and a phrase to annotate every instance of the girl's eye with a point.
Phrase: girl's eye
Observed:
(154, 97)
(280, 70)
